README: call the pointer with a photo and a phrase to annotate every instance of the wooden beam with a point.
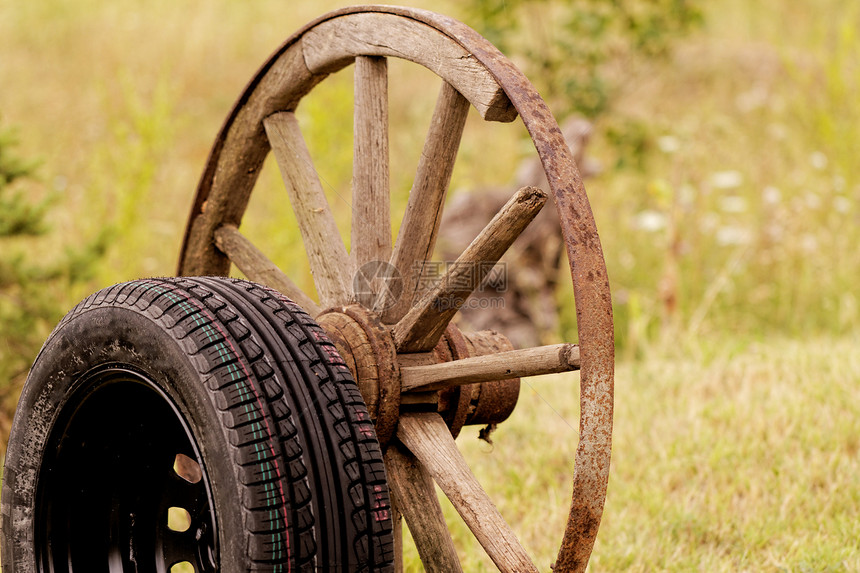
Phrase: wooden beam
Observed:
(417, 236)
(428, 438)
(330, 264)
(371, 217)
(500, 366)
(415, 496)
(419, 330)
(259, 268)
(397, 530)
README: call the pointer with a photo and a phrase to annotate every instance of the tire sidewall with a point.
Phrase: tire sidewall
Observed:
(101, 336)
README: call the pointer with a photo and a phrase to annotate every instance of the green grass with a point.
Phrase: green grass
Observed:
(732, 457)
(732, 250)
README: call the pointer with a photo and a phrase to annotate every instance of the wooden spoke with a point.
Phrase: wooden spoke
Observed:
(258, 268)
(500, 366)
(371, 219)
(330, 264)
(417, 236)
(397, 525)
(414, 494)
(419, 330)
(474, 74)
(428, 438)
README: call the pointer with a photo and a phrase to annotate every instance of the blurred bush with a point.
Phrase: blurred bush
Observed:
(577, 52)
(33, 287)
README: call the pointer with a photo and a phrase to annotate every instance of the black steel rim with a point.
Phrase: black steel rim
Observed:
(119, 457)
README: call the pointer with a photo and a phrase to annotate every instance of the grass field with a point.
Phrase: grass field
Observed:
(736, 457)
(731, 246)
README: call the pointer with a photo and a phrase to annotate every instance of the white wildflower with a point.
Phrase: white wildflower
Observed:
(60, 183)
(650, 221)
(729, 236)
(818, 160)
(838, 183)
(771, 195)
(813, 200)
(775, 232)
(709, 222)
(668, 143)
(809, 243)
(752, 99)
(842, 204)
(733, 204)
(727, 179)
(687, 195)
(778, 131)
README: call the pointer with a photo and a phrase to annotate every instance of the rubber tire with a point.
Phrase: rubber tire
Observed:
(250, 372)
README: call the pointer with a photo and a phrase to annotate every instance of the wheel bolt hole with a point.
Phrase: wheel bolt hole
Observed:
(178, 519)
(187, 469)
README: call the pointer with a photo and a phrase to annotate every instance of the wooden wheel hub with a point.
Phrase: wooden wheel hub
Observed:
(367, 347)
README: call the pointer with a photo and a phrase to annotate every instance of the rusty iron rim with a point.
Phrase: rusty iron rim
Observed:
(587, 266)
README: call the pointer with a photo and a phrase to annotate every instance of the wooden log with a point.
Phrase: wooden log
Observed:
(500, 366)
(332, 44)
(415, 495)
(428, 438)
(371, 218)
(259, 268)
(419, 330)
(420, 226)
(330, 264)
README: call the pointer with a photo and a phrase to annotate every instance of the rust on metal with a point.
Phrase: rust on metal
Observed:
(494, 401)
(474, 403)
(459, 398)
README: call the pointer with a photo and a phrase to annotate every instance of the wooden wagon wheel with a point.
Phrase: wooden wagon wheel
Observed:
(402, 351)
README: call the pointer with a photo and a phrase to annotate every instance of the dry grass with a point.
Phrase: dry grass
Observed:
(734, 457)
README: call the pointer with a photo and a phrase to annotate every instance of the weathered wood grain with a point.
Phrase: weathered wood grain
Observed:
(500, 366)
(239, 152)
(397, 526)
(331, 45)
(419, 330)
(415, 495)
(330, 264)
(237, 157)
(259, 268)
(371, 215)
(429, 439)
(417, 236)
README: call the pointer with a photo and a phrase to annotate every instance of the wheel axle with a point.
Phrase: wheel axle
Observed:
(367, 347)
